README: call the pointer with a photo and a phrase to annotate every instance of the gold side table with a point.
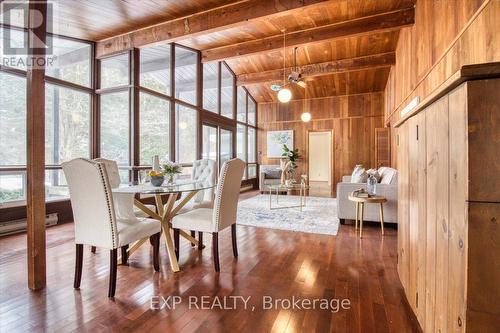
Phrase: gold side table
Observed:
(360, 210)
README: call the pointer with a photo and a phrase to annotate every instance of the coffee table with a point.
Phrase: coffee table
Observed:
(300, 187)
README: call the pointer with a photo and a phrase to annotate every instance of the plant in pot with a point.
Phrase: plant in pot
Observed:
(290, 157)
(170, 169)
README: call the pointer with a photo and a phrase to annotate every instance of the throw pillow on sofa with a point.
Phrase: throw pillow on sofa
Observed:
(387, 175)
(359, 174)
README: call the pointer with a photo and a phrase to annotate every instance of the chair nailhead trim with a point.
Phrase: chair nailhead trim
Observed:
(104, 179)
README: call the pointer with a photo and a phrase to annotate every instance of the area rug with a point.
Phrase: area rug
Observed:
(318, 217)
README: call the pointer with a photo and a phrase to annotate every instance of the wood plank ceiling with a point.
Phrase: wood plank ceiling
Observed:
(343, 46)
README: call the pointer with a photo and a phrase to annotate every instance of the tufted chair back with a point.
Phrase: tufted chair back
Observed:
(204, 171)
(124, 202)
(92, 203)
(112, 170)
(228, 192)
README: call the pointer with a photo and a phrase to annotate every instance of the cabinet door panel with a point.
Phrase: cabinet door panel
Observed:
(437, 216)
(458, 210)
(483, 266)
(417, 214)
(403, 259)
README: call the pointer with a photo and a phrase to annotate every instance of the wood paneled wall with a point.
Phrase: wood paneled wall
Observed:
(446, 35)
(352, 118)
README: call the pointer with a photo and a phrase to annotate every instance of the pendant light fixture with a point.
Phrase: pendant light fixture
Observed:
(284, 94)
(305, 116)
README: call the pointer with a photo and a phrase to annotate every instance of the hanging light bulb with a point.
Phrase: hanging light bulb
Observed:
(306, 117)
(284, 95)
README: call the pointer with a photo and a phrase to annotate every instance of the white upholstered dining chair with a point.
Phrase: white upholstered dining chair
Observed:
(114, 180)
(204, 170)
(223, 213)
(97, 220)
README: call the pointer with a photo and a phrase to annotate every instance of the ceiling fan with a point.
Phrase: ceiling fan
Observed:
(295, 77)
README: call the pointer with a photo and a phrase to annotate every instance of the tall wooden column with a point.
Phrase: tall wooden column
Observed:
(35, 126)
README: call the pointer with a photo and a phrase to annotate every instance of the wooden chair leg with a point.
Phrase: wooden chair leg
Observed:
(200, 240)
(176, 242)
(92, 249)
(193, 234)
(233, 235)
(215, 250)
(124, 254)
(113, 266)
(155, 240)
(78, 266)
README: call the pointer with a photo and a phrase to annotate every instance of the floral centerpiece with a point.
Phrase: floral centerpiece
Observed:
(170, 169)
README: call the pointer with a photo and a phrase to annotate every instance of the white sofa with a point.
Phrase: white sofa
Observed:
(386, 187)
(269, 175)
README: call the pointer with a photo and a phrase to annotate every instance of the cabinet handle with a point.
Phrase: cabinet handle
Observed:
(417, 132)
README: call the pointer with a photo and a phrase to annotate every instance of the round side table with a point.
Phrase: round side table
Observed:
(360, 210)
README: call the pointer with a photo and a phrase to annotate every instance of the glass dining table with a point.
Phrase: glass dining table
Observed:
(164, 211)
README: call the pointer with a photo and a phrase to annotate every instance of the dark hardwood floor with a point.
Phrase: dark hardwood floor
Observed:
(280, 264)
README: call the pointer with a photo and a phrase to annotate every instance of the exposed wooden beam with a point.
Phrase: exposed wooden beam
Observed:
(35, 160)
(384, 22)
(319, 69)
(217, 19)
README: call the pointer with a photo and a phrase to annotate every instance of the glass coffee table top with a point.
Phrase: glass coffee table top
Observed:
(295, 186)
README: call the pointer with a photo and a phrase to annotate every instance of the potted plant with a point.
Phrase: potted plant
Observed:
(291, 156)
(170, 169)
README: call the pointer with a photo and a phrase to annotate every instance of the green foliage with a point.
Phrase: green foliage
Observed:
(171, 168)
(292, 155)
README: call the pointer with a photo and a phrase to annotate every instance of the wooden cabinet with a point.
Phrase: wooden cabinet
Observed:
(449, 209)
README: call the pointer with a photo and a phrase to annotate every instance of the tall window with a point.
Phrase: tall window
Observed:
(154, 128)
(241, 141)
(251, 145)
(252, 112)
(12, 136)
(227, 90)
(155, 68)
(186, 75)
(209, 150)
(246, 144)
(68, 100)
(71, 61)
(211, 87)
(185, 130)
(226, 146)
(67, 124)
(241, 107)
(12, 120)
(17, 38)
(115, 71)
(115, 128)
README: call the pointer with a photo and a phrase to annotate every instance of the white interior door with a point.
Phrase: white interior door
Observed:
(320, 158)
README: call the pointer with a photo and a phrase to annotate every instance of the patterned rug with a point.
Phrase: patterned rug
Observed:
(318, 217)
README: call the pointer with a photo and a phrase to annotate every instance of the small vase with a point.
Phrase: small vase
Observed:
(170, 179)
(157, 180)
(371, 185)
